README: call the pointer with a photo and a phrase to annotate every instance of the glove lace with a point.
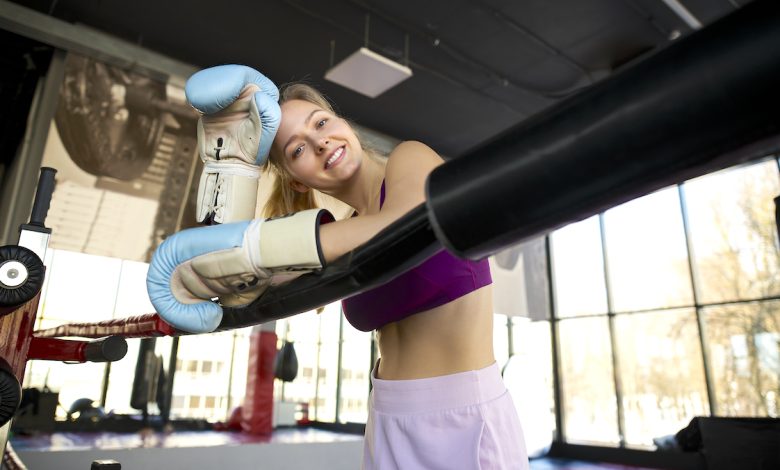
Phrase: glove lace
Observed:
(216, 207)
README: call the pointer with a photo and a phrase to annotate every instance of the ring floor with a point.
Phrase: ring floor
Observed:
(292, 448)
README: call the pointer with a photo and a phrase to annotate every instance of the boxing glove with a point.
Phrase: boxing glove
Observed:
(234, 262)
(239, 118)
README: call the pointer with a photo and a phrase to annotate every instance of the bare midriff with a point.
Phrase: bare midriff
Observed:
(455, 337)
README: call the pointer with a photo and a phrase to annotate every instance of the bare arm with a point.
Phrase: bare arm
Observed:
(407, 169)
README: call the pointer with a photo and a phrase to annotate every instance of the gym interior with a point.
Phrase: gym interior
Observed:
(636, 297)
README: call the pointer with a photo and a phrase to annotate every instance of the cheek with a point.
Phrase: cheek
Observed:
(300, 168)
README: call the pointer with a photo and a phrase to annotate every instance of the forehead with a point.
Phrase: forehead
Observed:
(295, 112)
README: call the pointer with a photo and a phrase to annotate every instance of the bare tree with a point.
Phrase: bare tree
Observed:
(743, 338)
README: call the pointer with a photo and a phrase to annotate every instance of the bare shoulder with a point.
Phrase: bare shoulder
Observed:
(408, 166)
(413, 156)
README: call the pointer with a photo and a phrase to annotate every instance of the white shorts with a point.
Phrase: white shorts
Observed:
(461, 421)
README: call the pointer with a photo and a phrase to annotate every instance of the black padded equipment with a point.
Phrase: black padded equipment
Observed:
(146, 375)
(10, 393)
(108, 349)
(10, 298)
(286, 363)
(105, 465)
(705, 102)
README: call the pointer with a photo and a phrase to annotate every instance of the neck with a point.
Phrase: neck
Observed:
(363, 194)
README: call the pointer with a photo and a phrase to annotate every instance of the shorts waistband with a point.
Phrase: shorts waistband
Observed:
(437, 393)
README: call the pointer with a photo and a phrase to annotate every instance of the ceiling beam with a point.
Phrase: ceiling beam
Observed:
(86, 41)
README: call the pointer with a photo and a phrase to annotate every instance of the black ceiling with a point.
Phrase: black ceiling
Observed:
(480, 66)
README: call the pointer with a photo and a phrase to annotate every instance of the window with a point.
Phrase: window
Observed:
(177, 402)
(198, 354)
(661, 373)
(578, 267)
(589, 403)
(733, 233)
(744, 347)
(528, 377)
(316, 338)
(647, 257)
(328, 363)
(355, 364)
(66, 275)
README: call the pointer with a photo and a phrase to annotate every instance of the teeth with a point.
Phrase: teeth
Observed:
(335, 156)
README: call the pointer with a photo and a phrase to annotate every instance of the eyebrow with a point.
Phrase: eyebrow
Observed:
(305, 123)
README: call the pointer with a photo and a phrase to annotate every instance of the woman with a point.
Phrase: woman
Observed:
(438, 400)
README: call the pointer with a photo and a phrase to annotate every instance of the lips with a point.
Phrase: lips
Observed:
(335, 158)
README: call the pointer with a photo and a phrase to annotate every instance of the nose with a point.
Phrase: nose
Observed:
(322, 144)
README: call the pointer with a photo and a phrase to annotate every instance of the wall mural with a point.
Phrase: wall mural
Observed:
(125, 149)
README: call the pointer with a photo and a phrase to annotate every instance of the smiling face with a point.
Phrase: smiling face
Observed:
(319, 149)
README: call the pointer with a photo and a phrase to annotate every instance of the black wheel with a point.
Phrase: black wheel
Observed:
(10, 393)
(21, 276)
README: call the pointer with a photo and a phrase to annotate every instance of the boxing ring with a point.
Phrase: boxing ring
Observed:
(707, 102)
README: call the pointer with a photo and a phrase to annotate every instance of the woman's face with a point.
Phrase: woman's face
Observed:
(319, 149)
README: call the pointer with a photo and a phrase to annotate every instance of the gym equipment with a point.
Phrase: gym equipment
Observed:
(21, 278)
(286, 362)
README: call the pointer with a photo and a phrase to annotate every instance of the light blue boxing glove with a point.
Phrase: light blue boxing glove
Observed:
(239, 118)
(235, 262)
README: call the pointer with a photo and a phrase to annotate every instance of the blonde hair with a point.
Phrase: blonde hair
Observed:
(283, 198)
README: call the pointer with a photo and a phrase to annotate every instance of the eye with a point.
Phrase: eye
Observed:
(321, 123)
(298, 151)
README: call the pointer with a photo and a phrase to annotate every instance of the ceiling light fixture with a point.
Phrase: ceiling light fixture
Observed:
(367, 72)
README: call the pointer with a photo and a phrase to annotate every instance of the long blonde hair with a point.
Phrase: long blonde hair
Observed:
(283, 198)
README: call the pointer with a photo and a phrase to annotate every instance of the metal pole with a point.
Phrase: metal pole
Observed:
(338, 361)
(555, 348)
(701, 325)
(612, 341)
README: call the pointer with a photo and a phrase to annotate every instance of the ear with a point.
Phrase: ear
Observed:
(298, 186)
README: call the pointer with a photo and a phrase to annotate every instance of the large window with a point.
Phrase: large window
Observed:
(691, 303)
(661, 373)
(303, 330)
(209, 380)
(528, 374)
(646, 254)
(733, 233)
(589, 404)
(744, 346)
(355, 374)
(116, 289)
(578, 264)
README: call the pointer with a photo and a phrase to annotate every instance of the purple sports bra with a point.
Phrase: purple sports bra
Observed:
(437, 281)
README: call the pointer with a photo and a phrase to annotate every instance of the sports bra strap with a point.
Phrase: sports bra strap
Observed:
(381, 198)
